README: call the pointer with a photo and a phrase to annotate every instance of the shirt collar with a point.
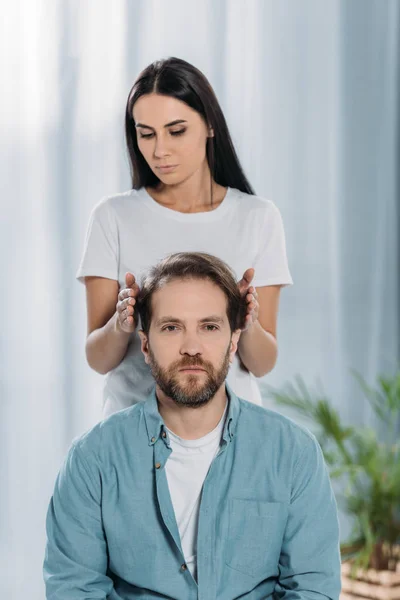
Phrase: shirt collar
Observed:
(156, 427)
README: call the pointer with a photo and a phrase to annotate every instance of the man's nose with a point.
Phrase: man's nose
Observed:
(191, 345)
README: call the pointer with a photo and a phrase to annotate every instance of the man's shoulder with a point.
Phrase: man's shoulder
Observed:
(266, 422)
(107, 431)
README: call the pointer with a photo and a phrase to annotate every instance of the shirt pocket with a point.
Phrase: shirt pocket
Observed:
(255, 535)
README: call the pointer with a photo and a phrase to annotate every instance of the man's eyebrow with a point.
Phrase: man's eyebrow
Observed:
(176, 122)
(167, 319)
(171, 319)
(212, 318)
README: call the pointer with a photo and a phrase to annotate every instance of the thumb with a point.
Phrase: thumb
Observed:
(248, 276)
(129, 280)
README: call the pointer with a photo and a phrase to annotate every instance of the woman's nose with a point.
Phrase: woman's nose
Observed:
(161, 148)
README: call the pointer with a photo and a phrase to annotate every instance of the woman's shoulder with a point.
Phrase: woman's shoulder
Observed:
(119, 199)
(252, 203)
(116, 205)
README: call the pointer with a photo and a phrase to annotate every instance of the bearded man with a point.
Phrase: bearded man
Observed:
(193, 494)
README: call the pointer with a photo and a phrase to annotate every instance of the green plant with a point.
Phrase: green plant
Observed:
(368, 468)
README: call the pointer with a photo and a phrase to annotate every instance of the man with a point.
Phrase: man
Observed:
(193, 494)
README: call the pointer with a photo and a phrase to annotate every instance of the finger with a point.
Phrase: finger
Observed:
(127, 313)
(243, 287)
(243, 284)
(126, 318)
(127, 306)
(135, 289)
(125, 293)
(127, 324)
(251, 300)
(248, 275)
(128, 292)
(129, 279)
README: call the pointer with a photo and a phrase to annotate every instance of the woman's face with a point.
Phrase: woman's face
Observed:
(171, 136)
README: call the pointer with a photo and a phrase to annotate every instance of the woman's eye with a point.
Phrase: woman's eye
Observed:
(180, 132)
(148, 136)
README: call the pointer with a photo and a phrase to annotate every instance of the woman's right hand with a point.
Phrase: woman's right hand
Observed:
(126, 317)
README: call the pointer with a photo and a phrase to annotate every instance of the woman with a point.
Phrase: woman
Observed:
(189, 194)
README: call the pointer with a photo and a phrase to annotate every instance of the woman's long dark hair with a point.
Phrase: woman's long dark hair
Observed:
(181, 80)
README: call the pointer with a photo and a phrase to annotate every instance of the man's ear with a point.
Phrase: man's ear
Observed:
(234, 343)
(144, 340)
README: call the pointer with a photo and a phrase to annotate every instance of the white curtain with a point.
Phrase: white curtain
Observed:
(310, 90)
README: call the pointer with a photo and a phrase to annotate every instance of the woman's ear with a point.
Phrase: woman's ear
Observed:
(210, 132)
(144, 345)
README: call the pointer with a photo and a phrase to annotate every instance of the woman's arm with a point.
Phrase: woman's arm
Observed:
(258, 349)
(106, 342)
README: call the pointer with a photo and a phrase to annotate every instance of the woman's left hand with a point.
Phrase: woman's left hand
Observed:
(249, 292)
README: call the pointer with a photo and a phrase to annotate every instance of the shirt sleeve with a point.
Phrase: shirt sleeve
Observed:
(101, 250)
(271, 264)
(309, 564)
(76, 560)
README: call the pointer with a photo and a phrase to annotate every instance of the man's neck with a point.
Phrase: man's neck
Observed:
(192, 423)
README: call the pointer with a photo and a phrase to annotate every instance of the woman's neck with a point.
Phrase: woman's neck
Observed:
(191, 196)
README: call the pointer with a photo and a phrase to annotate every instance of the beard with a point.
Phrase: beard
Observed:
(191, 392)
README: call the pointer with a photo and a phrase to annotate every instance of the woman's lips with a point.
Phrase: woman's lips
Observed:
(167, 168)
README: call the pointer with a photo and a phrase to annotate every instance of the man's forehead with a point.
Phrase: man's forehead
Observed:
(205, 287)
(180, 299)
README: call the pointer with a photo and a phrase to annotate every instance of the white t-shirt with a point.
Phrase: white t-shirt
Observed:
(186, 470)
(132, 232)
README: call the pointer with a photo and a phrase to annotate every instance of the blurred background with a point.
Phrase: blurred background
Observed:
(311, 93)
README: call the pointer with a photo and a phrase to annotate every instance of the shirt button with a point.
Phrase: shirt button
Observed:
(153, 439)
(158, 465)
(183, 567)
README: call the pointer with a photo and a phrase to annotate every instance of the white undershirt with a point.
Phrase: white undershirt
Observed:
(186, 470)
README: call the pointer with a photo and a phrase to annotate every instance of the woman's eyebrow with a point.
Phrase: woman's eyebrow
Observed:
(176, 122)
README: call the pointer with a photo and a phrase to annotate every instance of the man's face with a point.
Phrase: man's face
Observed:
(190, 345)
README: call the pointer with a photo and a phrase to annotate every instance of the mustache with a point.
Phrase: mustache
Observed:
(191, 361)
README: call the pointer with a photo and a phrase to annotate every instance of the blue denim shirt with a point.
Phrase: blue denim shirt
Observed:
(267, 523)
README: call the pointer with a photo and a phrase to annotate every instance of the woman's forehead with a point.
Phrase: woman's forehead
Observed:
(161, 110)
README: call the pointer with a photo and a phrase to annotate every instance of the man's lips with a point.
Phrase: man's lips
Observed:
(192, 369)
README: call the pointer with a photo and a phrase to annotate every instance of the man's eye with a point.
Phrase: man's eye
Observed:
(211, 327)
(170, 328)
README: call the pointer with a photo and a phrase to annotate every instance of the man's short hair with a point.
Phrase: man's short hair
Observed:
(186, 266)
